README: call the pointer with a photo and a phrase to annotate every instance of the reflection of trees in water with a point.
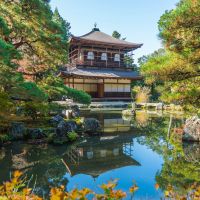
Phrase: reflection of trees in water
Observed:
(179, 171)
(40, 162)
(181, 166)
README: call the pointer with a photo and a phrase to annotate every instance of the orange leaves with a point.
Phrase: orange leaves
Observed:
(17, 174)
(15, 189)
(157, 186)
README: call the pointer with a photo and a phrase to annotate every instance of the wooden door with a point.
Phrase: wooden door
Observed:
(100, 88)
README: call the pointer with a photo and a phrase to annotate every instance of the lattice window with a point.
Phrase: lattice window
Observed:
(104, 56)
(90, 55)
(117, 58)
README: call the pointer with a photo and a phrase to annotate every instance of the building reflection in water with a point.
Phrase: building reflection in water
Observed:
(98, 155)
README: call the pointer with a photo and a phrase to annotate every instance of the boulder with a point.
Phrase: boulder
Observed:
(55, 120)
(35, 133)
(192, 129)
(75, 111)
(91, 125)
(65, 127)
(17, 130)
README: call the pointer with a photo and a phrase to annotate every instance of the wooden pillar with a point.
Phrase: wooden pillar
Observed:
(100, 89)
(120, 57)
(106, 57)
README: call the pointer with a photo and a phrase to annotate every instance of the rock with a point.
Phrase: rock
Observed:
(91, 125)
(17, 130)
(192, 129)
(75, 111)
(35, 133)
(55, 120)
(128, 112)
(65, 127)
(159, 106)
(192, 152)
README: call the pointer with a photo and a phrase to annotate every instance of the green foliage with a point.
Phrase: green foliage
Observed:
(35, 109)
(44, 46)
(4, 138)
(79, 96)
(72, 136)
(33, 42)
(5, 103)
(116, 34)
(29, 91)
(179, 66)
(55, 88)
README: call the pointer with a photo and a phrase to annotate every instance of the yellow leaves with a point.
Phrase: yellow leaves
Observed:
(57, 194)
(133, 188)
(110, 193)
(60, 194)
(110, 185)
(15, 189)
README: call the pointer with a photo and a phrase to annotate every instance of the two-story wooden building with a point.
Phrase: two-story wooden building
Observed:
(97, 65)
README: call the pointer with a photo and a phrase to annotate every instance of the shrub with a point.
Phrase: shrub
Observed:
(141, 94)
(4, 138)
(79, 96)
(72, 136)
(35, 109)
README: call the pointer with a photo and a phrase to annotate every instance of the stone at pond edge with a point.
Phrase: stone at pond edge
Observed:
(35, 133)
(17, 130)
(91, 125)
(128, 112)
(55, 120)
(75, 111)
(65, 127)
(192, 129)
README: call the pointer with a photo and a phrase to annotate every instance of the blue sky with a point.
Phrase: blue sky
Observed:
(134, 19)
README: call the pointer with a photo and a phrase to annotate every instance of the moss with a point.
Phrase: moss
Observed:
(72, 136)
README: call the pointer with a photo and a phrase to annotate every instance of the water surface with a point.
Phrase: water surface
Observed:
(141, 150)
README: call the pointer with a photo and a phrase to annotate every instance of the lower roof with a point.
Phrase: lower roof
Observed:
(101, 73)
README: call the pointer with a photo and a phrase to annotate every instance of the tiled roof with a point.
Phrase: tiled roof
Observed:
(101, 73)
(97, 36)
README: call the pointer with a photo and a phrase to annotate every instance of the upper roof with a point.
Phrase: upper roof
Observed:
(96, 36)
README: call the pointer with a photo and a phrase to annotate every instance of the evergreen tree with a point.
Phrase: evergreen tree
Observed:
(179, 67)
(116, 35)
(33, 42)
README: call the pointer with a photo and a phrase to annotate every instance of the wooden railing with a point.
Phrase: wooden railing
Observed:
(97, 62)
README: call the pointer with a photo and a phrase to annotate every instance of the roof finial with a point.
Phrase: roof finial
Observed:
(95, 27)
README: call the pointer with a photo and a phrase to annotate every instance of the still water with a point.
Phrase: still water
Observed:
(143, 150)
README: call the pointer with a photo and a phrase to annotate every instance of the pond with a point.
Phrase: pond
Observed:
(143, 150)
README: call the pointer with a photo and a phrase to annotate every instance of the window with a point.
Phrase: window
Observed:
(90, 55)
(117, 58)
(104, 56)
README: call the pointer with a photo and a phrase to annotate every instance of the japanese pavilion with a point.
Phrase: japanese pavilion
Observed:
(97, 65)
